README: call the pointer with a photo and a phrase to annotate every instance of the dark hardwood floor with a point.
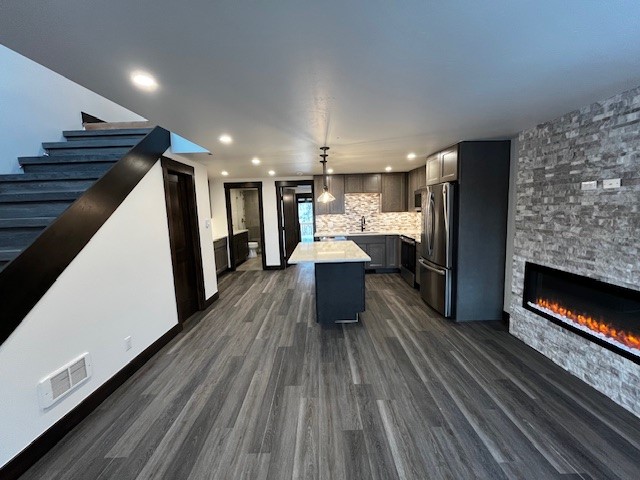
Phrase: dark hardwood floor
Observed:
(254, 388)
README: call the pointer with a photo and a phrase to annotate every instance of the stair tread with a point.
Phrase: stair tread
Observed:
(8, 253)
(39, 196)
(107, 132)
(118, 125)
(26, 222)
(53, 176)
(70, 158)
(79, 144)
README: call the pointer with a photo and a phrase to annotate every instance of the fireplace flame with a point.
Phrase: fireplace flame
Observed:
(627, 338)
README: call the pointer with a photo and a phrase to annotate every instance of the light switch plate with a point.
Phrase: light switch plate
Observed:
(611, 183)
(127, 343)
(592, 185)
(207, 223)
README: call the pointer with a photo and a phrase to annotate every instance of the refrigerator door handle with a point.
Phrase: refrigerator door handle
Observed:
(432, 220)
(433, 269)
(445, 203)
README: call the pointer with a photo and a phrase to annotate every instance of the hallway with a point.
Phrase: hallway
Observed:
(254, 388)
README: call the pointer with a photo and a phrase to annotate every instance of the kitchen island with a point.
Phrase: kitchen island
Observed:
(339, 275)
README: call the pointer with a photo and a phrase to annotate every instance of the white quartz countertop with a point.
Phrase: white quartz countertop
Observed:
(328, 252)
(414, 235)
(238, 232)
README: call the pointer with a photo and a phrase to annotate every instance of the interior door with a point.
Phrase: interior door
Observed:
(291, 227)
(182, 244)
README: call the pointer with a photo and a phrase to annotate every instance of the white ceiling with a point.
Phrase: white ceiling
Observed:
(374, 79)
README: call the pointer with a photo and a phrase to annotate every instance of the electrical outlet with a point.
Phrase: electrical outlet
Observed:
(207, 223)
(127, 343)
(611, 183)
(592, 185)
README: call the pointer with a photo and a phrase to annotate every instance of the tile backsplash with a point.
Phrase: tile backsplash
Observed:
(357, 205)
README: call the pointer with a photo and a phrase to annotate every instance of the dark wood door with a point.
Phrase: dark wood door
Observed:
(291, 226)
(181, 230)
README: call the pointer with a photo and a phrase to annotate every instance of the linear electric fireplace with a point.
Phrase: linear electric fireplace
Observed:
(603, 313)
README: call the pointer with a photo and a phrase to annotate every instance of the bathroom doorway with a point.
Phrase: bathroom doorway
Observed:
(245, 223)
(296, 222)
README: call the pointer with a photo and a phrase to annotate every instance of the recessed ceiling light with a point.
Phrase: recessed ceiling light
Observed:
(388, 169)
(329, 170)
(272, 173)
(255, 161)
(224, 173)
(225, 139)
(144, 81)
(411, 156)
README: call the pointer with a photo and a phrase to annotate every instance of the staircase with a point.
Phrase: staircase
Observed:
(31, 201)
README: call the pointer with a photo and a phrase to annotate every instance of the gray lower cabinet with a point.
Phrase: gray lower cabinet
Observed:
(378, 253)
(384, 250)
(393, 251)
(221, 255)
(417, 274)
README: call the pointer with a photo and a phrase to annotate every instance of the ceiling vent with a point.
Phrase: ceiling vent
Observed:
(58, 384)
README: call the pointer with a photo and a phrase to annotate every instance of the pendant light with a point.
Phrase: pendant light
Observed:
(325, 196)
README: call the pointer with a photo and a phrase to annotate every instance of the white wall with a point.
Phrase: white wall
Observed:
(120, 284)
(219, 212)
(511, 220)
(37, 104)
(203, 205)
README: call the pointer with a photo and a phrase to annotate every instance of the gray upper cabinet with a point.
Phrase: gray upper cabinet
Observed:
(371, 183)
(416, 179)
(394, 192)
(434, 168)
(449, 159)
(353, 184)
(443, 166)
(336, 187)
(362, 183)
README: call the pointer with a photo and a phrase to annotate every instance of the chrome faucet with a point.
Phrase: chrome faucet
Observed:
(363, 222)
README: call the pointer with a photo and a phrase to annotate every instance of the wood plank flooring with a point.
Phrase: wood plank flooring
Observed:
(254, 388)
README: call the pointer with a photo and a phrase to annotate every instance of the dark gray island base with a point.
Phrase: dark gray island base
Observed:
(339, 272)
(339, 292)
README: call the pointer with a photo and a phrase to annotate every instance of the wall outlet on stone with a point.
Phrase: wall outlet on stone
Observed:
(592, 185)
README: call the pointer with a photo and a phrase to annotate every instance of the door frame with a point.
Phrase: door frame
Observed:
(168, 167)
(227, 198)
(286, 184)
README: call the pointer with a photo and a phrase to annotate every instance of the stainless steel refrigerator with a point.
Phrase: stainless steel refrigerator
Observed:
(436, 248)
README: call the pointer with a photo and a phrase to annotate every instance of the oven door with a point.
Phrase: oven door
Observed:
(408, 259)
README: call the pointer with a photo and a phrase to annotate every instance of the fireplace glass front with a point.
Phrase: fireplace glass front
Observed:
(605, 314)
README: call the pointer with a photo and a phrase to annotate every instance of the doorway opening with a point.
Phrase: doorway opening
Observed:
(296, 220)
(184, 237)
(245, 223)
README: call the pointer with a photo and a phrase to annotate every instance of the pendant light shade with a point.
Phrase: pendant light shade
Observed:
(325, 196)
